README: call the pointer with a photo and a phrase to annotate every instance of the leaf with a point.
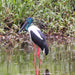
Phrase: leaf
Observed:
(1, 31)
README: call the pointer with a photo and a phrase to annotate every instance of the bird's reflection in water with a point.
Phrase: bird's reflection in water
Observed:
(46, 72)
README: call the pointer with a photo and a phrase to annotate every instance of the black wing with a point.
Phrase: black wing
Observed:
(38, 41)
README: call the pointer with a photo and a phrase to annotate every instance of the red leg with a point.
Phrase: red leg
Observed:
(35, 59)
(39, 59)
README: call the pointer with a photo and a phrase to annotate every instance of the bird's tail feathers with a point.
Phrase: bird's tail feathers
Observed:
(46, 50)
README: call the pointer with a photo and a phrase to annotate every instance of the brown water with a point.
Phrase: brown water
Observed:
(59, 61)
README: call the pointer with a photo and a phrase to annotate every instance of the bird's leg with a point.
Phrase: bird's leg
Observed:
(39, 59)
(35, 59)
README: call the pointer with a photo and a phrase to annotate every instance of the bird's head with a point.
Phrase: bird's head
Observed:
(26, 24)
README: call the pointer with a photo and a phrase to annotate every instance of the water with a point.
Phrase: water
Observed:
(59, 61)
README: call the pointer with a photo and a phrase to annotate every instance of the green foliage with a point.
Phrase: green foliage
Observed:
(54, 12)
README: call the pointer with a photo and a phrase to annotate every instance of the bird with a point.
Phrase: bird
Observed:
(46, 72)
(37, 37)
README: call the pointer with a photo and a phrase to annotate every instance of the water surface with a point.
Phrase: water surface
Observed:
(59, 61)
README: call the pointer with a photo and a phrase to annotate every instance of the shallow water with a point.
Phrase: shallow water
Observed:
(59, 61)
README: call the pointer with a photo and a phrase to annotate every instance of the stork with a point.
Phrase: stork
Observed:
(37, 37)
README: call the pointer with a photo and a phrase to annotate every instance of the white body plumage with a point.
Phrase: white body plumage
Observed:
(35, 30)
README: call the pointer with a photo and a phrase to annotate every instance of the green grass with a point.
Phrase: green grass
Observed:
(57, 13)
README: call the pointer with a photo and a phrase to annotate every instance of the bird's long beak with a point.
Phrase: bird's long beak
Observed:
(23, 26)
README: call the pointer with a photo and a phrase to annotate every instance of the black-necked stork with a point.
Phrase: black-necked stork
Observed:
(37, 37)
